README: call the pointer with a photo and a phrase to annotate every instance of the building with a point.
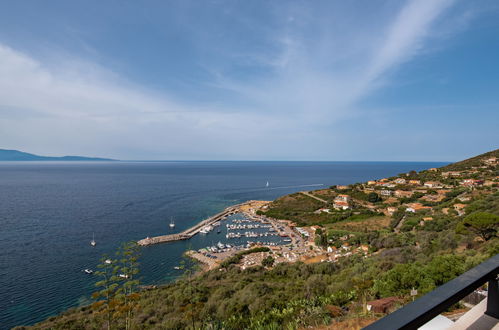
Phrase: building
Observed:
(370, 183)
(340, 187)
(432, 184)
(471, 182)
(400, 181)
(342, 198)
(490, 161)
(433, 198)
(415, 182)
(391, 209)
(451, 173)
(433, 169)
(386, 192)
(341, 202)
(339, 205)
(416, 207)
(403, 193)
(459, 208)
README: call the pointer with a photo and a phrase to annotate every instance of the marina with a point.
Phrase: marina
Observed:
(203, 227)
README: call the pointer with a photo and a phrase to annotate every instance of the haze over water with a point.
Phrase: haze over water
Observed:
(49, 211)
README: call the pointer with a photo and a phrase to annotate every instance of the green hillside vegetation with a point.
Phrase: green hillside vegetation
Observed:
(423, 249)
(470, 162)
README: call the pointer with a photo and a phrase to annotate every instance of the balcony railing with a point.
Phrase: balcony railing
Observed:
(424, 309)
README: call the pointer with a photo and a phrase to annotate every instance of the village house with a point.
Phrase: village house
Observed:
(490, 161)
(415, 207)
(415, 182)
(451, 173)
(459, 208)
(322, 210)
(433, 169)
(489, 183)
(400, 181)
(464, 198)
(340, 187)
(432, 184)
(443, 191)
(471, 182)
(433, 198)
(341, 202)
(386, 192)
(425, 219)
(370, 183)
(403, 193)
(391, 209)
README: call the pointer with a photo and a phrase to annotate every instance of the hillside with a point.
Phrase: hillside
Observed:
(470, 162)
(15, 155)
(372, 240)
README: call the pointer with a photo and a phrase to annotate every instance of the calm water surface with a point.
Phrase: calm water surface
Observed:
(49, 211)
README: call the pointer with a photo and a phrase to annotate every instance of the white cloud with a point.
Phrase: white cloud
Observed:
(312, 82)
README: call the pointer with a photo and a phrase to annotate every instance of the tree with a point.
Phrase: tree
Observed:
(117, 295)
(373, 197)
(108, 285)
(268, 261)
(481, 223)
(128, 256)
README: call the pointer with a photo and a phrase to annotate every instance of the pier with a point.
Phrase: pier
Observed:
(188, 233)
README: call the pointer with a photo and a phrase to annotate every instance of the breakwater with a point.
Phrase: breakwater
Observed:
(188, 233)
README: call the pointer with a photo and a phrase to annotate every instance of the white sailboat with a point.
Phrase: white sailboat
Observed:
(92, 242)
(172, 223)
(267, 184)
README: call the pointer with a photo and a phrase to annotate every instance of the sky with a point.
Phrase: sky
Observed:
(394, 80)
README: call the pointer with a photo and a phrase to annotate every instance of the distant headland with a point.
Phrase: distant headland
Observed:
(16, 155)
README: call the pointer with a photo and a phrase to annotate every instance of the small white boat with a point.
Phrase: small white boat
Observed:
(172, 223)
(107, 261)
(92, 242)
(88, 271)
(123, 276)
(177, 267)
(267, 184)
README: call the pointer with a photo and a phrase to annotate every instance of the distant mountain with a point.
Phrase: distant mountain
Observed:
(16, 155)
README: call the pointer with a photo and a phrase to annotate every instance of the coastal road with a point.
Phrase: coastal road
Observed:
(306, 193)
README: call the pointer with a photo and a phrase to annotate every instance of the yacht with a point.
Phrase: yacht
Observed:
(172, 223)
(92, 242)
(88, 271)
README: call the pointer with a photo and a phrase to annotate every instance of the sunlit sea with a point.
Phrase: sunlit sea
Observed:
(49, 212)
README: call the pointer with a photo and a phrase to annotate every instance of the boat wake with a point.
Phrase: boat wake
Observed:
(299, 186)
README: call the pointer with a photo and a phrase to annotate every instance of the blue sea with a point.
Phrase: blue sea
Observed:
(50, 210)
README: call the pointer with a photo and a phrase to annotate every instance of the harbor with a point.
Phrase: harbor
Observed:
(201, 227)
